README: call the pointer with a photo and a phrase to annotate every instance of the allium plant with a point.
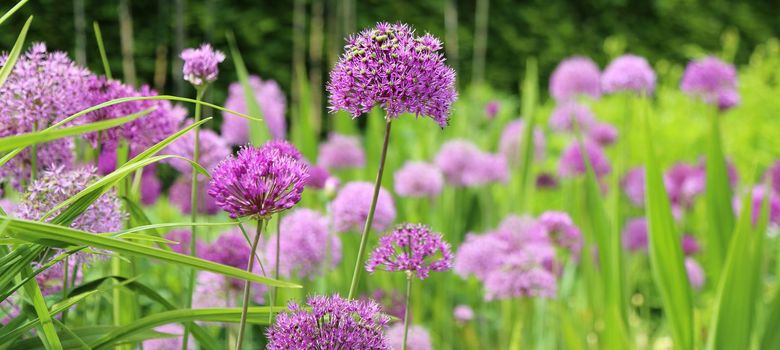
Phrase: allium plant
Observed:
(213, 150)
(417, 339)
(201, 65)
(573, 164)
(306, 247)
(331, 323)
(418, 179)
(340, 152)
(629, 73)
(712, 80)
(569, 116)
(465, 165)
(169, 343)
(352, 204)
(573, 77)
(511, 139)
(272, 103)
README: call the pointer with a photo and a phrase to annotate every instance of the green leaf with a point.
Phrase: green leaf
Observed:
(47, 332)
(9, 334)
(8, 67)
(12, 11)
(718, 196)
(257, 133)
(529, 100)
(102, 50)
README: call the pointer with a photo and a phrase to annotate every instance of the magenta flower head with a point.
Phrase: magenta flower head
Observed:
(151, 187)
(479, 255)
(417, 339)
(418, 179)
(684, 182)
(413, 249)
(350, 207)
(690, 245)
(695, 273)
(523, 273)
(562, 231)
(232, 248)
(774, 176)
(318, 177)
(629, 73)
(341, 151)
(758, 193)
(633, 184)
(635, 235)
(331, 323)
(575, 76)
(213, 149)
(183, 237)
(511, 141)
(388, 65)
(201, 64)
(306, 245)
(258, 182)
(463, 313)
(269, 97)
(572, 163)
(603, 133)
(712, 80)
(491, 109)
(568, 115)
(180, 194)
(465, 165)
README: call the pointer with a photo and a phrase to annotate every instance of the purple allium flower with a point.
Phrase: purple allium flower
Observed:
(418, 179)
(269, 97)
(216, 290)
(388, 65)
(151, 186)
(465, 165)
(489, 168)
(213, 149)
(774, 176)
(567, 114)
(341, 151)
(56, 185)
(306, 245)
(479, 255)
(232, 248)
(463, 313)
(392, 302)
(633, 184)
(712, 80)
(332, 323)
(572, 163)
(284, 148)
(757, 201)
(318, 177)
(511, 138)
(575, 76)
(51, 280)
(201, 64)
(350, 207)
(258, 182)
(695, 273)
(9, 309)
(690, 245)
(491, 109)
(629, 73)
(417, 338)
(684, 182)
(635, 235)
(603, 133)
(413, 249)
(180, 195)
(168, 343)
(562, 231)
(183, 237)
(7, 205)
(522, 274)
(546, 181)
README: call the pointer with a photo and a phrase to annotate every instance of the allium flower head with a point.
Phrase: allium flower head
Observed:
(318, 177)
(285, 149)
(695, 273)
(258, 182)
(183, 237)
(180, 195)
(684, 182)
(213, 149)
(603, 134)
(463, 313)
(51, 280)
(417, 338)
(690, 245)
(232, 248)
(151, 187)
(418, 179)
(168, 343)
(568, 115)
(269, 97)
(633, 184)
(463, 164)
(774, 176)
(511, 139)
(341, 151)
(712, 80)
(491, 109)
(306, 245)
(350, 207)
(629, 73)
(758, 194)
(572, 163)
(575, 76)
(479, 255)
(388, 65)
(562, 230)
(216, 290)
(522, 274)
(411, 248)
(635, 235)
(201, 64)
(332, 323)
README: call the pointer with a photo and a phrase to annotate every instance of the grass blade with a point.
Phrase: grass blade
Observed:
(13, 10)
(8, 67)
(257, 133)
(529, 100)
(47, 332)
(718, 196)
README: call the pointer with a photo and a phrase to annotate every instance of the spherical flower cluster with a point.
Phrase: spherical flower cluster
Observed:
(231, 248)
(318, 177)
(695, 273)
(201, 64)
(635, 235)
(463, 313)
(521, 275)
(491, 109)
(183, 237)
(603, 134)
(570, 115)
(572, 163)
(151, 187)
(629, 73)
(213, 149)
(690, 245)
(562, 231)
(417, 338)
(684, 182)
(392, 302)
(51, 280)
(216, 290)
(332, 323)
(712, 80)
(341, 151)
(390, 66)
(511, 141)
(180, 195)
(350, 207)
(258, 182)
(168, 343)
(463, 164)
(573, 77)
(307, 249)
(269, 97)
(633, 184)
(758, 194)
(418, 179)
(413, 249)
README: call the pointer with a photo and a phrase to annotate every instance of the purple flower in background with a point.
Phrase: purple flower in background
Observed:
(774, 176)
(258, 182)
(306, 245)
(213, 149)
(573, 77)
(572, 163)
(413, 249)
(341, 151)
(7, 205)
(562, 231)
(350, 207)
(567, 114)
(151, 186)
(201, 65)
(9, 309)
(758, 194)
(169, 343)
(332, 323)
(684, 182)
(465, 165)
(510, 142)
(629, 73)
(488, 168)
(390, 66)
(417, 338)
(635, 235)
(318, 177)
(695, 273)
(522, 274)
(285, 148)
(546, 181)
(183, 237)
(232, 248)
(51, 280)
(633, 184)
(712, 80)
(180, 195)
(418, 179)
(215, 290)
(392, 302)
(603, 133)
(479, 255)
(690, 245)
(491, 109)
(463, 313)
(269, 96)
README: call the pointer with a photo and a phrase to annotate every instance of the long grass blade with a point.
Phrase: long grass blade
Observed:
(10, 61)
(13, 10)
(257, 133)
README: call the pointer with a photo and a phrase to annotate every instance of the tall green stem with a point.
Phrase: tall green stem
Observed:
(406, 311)
(245, 301)
(274, 290)
(370, 218)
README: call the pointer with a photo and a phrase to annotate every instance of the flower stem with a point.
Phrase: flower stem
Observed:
(276, 266)
(406, 311)
(245, 302)
(370, 218)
